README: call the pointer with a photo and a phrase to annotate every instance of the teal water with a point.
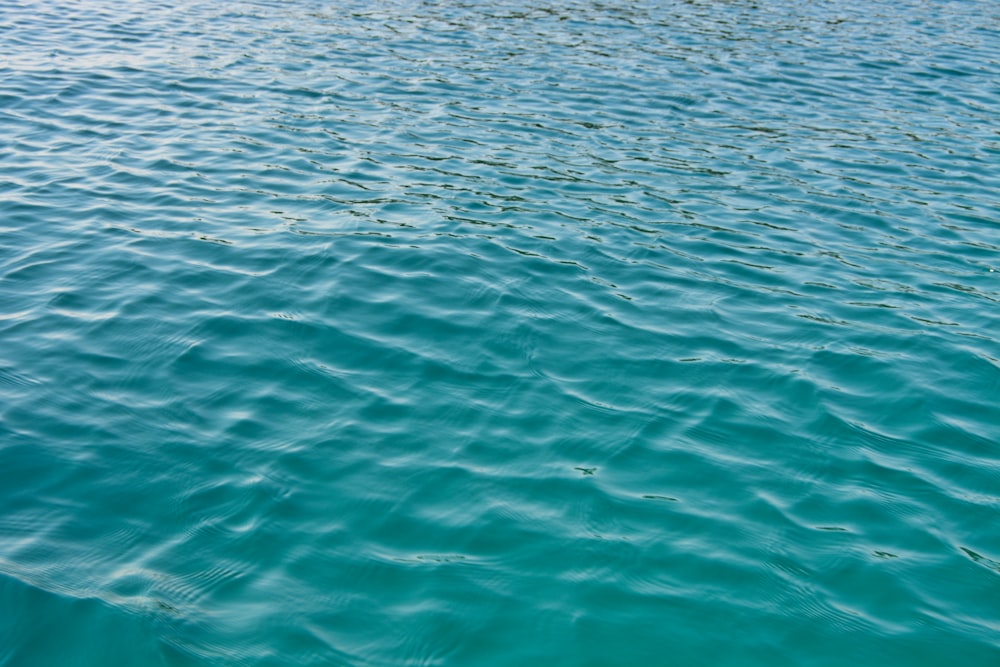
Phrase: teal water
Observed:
(500, 333)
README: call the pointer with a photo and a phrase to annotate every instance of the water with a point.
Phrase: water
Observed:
(500, 333)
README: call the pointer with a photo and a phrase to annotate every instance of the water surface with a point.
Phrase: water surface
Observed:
(499, 333)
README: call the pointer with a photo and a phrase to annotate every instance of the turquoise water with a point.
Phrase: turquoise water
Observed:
(500, 333)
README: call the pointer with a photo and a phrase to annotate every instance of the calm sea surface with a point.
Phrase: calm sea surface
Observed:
(500, 333)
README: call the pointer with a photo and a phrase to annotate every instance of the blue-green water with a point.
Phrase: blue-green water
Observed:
(500, 333)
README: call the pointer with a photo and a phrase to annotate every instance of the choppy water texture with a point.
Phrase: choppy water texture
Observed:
(500, 333)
